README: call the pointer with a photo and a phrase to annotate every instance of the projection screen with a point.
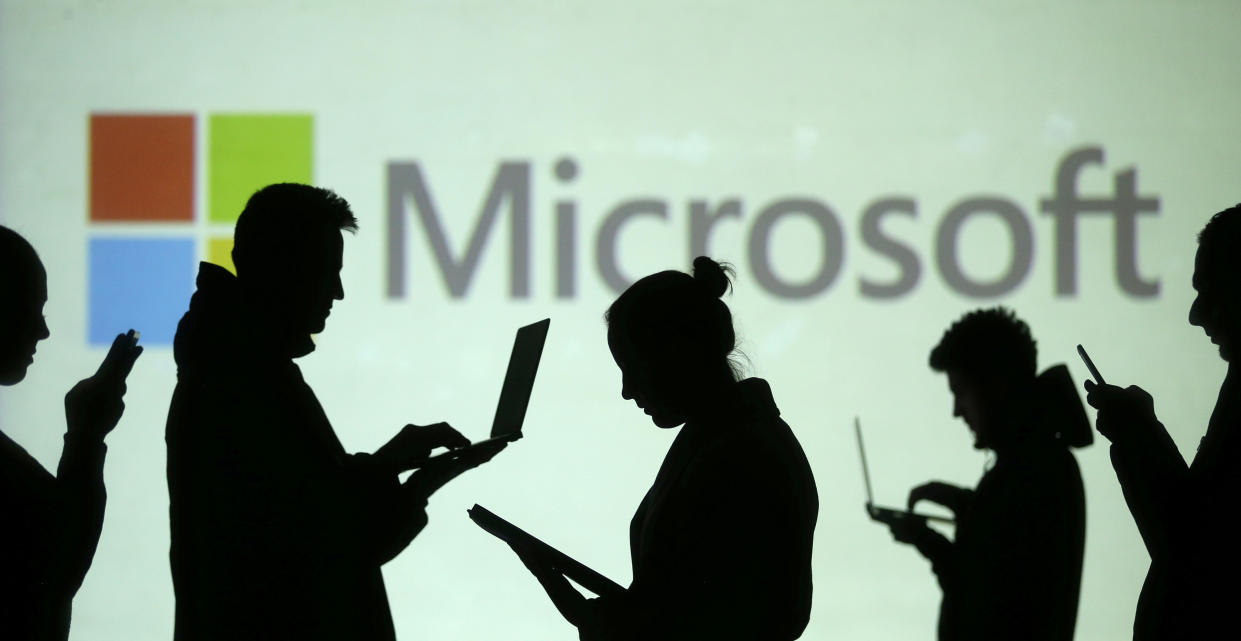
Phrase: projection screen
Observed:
(872, 170)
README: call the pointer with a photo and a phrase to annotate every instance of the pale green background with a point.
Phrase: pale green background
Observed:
(845, 102)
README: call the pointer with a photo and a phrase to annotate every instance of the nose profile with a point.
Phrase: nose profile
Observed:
(339, 292)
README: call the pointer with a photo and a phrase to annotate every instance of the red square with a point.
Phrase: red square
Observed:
(141, 167)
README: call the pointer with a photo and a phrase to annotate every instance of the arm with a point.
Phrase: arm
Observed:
(393, 513)
(78, 511)
(568, 601)
(932, 545)
(92, 409)
(1153, 483)
(612, 618)
(377, 514)
(1151, 472)
(956, 499)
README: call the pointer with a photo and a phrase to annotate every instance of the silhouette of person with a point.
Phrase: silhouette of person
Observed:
(721, 543)
(51, 524)
(1187, 515)
(1013, 570)
(277, 532)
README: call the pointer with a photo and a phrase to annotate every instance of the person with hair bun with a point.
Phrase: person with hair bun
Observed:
(721, 543)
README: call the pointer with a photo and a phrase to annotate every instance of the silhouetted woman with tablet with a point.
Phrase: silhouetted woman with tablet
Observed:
(721, 544)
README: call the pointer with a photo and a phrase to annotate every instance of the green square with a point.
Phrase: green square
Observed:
(246, 152)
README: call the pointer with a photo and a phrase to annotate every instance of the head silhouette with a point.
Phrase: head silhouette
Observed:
(1217, 280)
(23, 292)
(990, 359)
(288, 247)
(672, 337)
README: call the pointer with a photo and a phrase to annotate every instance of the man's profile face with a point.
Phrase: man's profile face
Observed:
(320, 283)
(1215, 308)
(970, 405)
(300, 285)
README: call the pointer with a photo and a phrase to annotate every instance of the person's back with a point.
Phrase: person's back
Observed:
(721, 544)
(1215, 480)
(1207, 535)
(1019, 550)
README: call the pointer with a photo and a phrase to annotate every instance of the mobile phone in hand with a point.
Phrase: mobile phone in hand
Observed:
(1094, 371)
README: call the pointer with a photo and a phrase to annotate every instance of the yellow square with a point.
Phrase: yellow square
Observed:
(220, 252)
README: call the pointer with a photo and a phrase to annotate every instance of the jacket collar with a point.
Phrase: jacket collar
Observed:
(223, 320)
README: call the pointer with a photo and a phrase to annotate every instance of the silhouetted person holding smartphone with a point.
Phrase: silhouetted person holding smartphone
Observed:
(50, 525)
(722, 542)
(1189, 515)
(277, 532)
(1013, 569)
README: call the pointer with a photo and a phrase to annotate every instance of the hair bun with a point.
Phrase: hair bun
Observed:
(713, 277)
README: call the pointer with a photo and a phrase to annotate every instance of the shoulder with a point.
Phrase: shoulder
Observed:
(1044, 474)
(17, 465)
(753, 455)
(1057, 462)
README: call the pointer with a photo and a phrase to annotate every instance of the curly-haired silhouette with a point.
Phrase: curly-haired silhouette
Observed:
(1013, 569)
(277, 532)
(721, 544)
(50, 524)
(1187, 514)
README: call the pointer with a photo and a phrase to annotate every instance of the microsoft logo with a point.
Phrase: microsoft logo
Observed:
(146, 224)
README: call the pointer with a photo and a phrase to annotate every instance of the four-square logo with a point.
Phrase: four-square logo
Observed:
(146, 219)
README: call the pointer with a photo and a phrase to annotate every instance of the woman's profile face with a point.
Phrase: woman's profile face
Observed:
(654, 379)
(22, 324)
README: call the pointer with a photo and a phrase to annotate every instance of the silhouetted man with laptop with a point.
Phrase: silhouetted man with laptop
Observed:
(277, 532)
(1013, 568)
(1187, 514)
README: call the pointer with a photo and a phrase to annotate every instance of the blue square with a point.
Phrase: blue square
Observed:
(139, 283)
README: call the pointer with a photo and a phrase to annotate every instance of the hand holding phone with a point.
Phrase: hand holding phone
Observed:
(94, 406)
(1127, 413)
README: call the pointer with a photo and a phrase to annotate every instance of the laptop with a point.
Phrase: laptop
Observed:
(886, 514)
(523, 364)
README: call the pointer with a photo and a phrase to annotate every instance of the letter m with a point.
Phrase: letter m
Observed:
(511, 184)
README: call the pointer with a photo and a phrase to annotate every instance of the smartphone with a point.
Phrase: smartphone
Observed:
(1094, 371)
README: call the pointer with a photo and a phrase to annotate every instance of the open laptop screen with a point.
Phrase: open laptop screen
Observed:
(523, 364)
